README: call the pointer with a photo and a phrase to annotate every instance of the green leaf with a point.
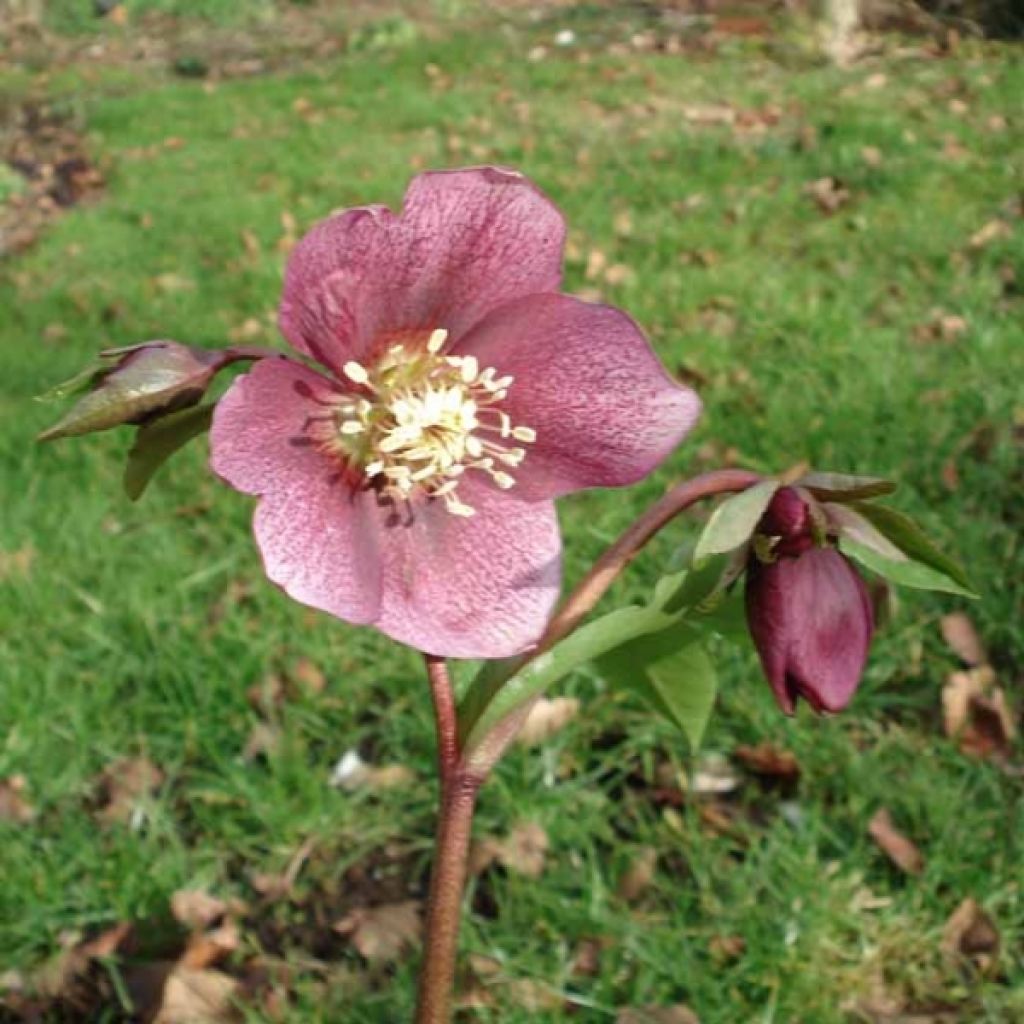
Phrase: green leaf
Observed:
(733, 522)
(911, 540)
(907, 573)
(158, 440)
(841, 487)
(493, 694)
(672, 671)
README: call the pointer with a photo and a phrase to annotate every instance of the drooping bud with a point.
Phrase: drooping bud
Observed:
(808, 610)
(136, 384)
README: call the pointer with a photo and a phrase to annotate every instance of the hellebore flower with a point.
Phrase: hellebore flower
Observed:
(408, 481)
(808, 610)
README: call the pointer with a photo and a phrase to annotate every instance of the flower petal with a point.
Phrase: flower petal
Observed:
(828, 644)
(476, 587)
(316, 533)
(587, 381)
(465, 242)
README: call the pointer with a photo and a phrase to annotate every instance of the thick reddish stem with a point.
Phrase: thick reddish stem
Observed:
(445, 718)
(444, 908)
(592, 587)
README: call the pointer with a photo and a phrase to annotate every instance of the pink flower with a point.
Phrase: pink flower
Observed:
(808, 610)
(407, 481)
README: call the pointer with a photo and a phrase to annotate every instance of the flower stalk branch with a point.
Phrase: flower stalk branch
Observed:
(445, 720)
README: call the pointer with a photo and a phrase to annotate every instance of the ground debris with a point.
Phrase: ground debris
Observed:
(894, 844)
(383, 933)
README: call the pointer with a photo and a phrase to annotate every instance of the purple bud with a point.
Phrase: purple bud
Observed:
(811, 620)
(140, 383)
(788, 517)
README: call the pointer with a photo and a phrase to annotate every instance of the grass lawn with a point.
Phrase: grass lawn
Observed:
(875, 339)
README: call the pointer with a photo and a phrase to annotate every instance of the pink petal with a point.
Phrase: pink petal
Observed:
(587, 381)
(477, 587)
(316, 533)
(465, 242)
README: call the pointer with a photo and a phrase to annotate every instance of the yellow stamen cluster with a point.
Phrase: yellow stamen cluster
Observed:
(422, 418)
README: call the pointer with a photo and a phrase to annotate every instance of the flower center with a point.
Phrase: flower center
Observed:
(422, 418)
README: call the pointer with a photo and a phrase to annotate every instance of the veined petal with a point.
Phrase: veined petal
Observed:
(465, 242)
(587, 381)
(471, 587)
(315, 531)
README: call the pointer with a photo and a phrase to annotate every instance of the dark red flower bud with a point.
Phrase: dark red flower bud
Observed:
(788, 518)
(811, 620)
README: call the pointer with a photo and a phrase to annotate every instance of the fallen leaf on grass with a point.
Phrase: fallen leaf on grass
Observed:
(829, 193)
(657, 1015)
(962, 638)
(352, 773)
(990, 232)
(976, 713)
(713, 776)
(15, 564)
(385, 932)
(124, 787)
(586, 960)
(894, 844)
(531, 995)
(13, 805)
(263, 741)
(196, 908)
(940, 326)
(207, 948)
(768, 761)
(971, 934)
(309, 677)
(166, 993)
(637, 878)
(725, 948)
(547, 717)
(522, 851)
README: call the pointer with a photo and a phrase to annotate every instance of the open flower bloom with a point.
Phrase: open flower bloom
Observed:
(407, 482)
(808, 610)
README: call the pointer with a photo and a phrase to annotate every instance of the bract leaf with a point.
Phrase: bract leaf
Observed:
(912, 541)
(672, 671)
(733, 522)
(493, 695)
(158, 440)
(907, 573)
(842, 487)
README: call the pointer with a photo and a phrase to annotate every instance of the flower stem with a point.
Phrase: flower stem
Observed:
(445, 718)
(444, 907)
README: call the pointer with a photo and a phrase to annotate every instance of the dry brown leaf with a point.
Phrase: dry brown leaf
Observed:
(385, 932)
(872, 156)
(657, 1015)
(829, 193)
(531, 995)
(637, 878)
(16, 563)
(522, 851)
(619, 273)
(205, 949)
(547, 717)
(769, 761)
(894, 844)
(586, 960)
(124, 787)
(972, 934)
(309, 676)
(166, 993)
(196, 908)
(990, 232)
(352, 773)
(262, 741)
(709, 113)
(976, 712)
(962, 638)
(13, 805)
(725, 948)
